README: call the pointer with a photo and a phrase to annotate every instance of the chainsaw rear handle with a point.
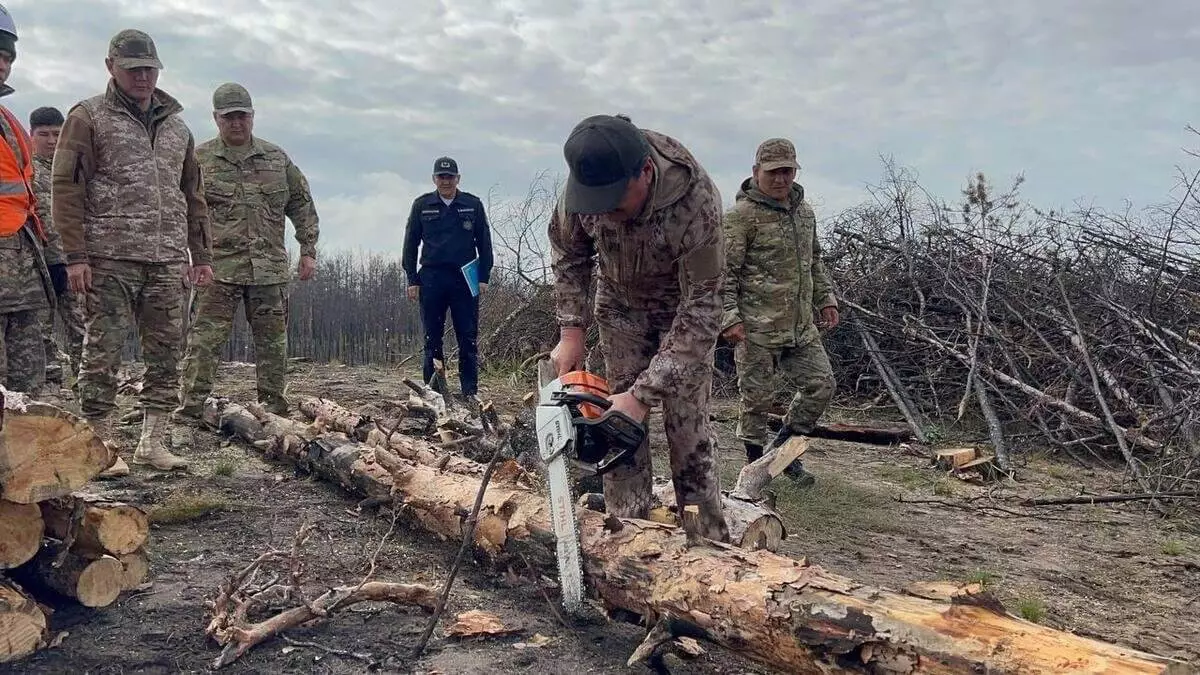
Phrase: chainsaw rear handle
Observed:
(619, 429)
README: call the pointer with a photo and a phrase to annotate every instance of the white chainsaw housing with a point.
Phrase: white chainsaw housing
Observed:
(556, 439)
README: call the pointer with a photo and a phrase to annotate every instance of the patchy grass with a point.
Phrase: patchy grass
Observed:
(835, 503)
(181, 508)
(908, 477)
(985, 578)
(1031, 608)
(224, 467)
(1173, 547)
(946, 487)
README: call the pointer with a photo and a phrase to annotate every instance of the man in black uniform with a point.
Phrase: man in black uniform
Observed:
(451, 230)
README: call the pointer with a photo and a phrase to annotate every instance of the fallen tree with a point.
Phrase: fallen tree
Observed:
(787, 614)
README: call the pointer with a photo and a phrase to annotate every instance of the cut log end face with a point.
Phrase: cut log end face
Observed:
(21, 529)
(100, 582)
(22, 624)
(46, 452)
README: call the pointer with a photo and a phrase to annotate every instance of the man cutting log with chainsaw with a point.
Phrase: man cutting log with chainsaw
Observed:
(639, 201)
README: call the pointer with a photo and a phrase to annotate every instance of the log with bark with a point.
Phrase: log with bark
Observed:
(785, 613)
(94, 523)
(93, 581)
(874, 433)
(45, 451)
(23, 625)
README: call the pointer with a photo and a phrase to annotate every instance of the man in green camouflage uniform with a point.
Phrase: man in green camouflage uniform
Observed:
(774, 279)
(250, 187)
(45, 124)
(127, 202)
(25, 289)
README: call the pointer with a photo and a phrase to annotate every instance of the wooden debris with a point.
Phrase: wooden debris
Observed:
(952, 458)
(476, 623)
(23, 627)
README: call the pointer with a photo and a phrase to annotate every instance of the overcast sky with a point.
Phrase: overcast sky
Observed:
(1087, 98)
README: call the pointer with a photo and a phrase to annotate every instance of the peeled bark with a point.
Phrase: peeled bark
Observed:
(45, 451)
(781, 612)
(22, 623)
(103, 526)
(21, 531)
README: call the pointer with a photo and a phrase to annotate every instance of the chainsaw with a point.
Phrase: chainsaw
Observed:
(575, 423)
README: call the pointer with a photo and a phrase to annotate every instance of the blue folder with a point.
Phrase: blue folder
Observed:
(471, 274)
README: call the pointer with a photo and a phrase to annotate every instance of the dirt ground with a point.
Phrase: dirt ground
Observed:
(1113, 573)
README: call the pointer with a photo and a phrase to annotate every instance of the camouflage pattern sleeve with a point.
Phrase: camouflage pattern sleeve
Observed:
(571, 252)
(42, 178)
(74, 165)
(686, 351)
(302, 211)
(737, 236)
(822, 289)
(192, 184)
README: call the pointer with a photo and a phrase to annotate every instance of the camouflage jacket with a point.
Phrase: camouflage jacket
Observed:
(774, 276)
(249, 192)
(24, 281)
(671, 255)
(127, 185)
(41, 190)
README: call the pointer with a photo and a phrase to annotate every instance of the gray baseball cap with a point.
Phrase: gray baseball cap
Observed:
(231, 97)
(133, 49)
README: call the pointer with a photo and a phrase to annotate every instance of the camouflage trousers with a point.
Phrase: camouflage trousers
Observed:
(764, 373)
(266, 312)
(126, 294)
(629, 338)
(71, 307)
(22, 358)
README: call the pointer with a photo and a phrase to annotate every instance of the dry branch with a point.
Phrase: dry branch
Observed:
(231, 627)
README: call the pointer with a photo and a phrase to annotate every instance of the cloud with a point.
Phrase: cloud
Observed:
(364, 95)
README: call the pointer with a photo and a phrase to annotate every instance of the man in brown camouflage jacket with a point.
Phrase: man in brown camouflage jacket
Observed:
(640, 202)
(128, 204)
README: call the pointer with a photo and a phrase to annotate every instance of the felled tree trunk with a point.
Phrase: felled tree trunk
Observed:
(97, 524)
(781, 612)
(22, 623)
(21, 531)
(45, 451)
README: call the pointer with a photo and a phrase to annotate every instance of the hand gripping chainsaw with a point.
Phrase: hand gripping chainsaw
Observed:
(575, 422)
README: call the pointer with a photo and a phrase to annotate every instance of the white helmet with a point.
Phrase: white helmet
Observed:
(7, 25)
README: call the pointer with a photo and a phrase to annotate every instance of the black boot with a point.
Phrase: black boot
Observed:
(754, 451)
(799, 475)
(795, 470)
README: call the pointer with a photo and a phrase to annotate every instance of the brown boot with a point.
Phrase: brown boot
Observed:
(119, 469)
(151, 449)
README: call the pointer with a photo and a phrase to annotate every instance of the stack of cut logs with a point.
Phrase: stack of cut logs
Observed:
(54, 538)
